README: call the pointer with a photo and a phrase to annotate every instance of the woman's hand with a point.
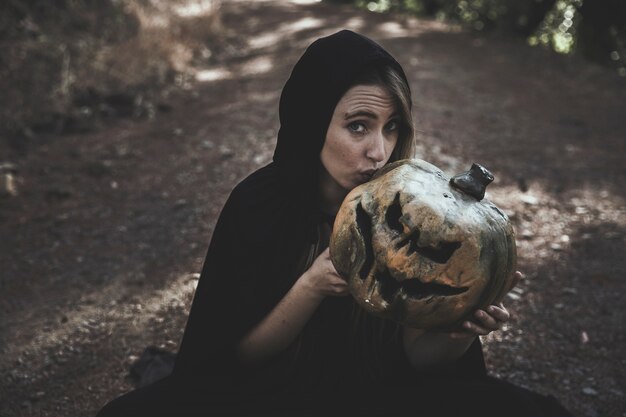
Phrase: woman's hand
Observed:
(487, 320)
(322, 279)
(484, 322)
(284, 323)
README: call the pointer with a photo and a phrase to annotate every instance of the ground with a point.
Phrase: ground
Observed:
(102, 245)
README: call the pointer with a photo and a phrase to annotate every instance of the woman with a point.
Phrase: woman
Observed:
(271, 328)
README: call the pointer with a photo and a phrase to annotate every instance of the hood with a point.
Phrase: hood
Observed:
(317, 82)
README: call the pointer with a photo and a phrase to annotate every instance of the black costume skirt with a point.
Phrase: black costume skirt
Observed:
(485, 397)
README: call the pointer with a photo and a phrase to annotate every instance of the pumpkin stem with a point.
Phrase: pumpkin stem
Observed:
(473, 182)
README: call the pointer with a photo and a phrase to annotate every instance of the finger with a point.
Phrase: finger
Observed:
(337, 279)
(461, 335)
(330, 270)
(486, 320)
(475, 328)
(341, 285)
(340, 290)
(500, 312)
(330, 265)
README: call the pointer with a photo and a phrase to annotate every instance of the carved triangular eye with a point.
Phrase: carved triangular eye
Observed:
(364, 224)
(393, 214)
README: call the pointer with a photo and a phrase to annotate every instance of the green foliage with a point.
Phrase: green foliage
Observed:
(558, 29)
(594, 28)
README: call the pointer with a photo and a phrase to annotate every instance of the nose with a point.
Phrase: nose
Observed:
(376, 149)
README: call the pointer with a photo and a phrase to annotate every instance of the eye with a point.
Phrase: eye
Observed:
(357, 127)
(393, 214)
(392, 126)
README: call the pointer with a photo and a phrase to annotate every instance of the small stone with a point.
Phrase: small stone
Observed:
(584, 337)
(556, 246)
(7, 185)
(513, 296)
(589, 391)
(529, 199)
(518, 290)
(8, 167)
(226, 152)
(527, 234)
(259, 159)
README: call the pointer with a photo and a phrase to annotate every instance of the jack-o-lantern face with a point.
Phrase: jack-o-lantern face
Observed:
(420, 249)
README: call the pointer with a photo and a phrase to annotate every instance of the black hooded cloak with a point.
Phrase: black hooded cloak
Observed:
(267, 235)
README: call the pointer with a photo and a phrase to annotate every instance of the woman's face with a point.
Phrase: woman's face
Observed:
(360, 138)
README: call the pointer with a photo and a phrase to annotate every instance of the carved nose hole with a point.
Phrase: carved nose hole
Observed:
(441, 253)
(393, 214)
(364, 224)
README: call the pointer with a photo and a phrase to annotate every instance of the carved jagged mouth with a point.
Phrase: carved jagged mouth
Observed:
(389, 288)
(439, 253)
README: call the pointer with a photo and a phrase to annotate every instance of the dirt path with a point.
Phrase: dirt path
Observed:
(101, 248)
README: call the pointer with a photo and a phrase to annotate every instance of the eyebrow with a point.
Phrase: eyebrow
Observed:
(366, 113)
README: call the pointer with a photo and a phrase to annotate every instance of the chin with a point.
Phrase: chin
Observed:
(352, 185)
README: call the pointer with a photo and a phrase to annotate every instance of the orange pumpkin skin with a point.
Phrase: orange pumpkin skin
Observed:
(419, 251)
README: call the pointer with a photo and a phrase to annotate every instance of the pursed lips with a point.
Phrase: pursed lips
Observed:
(368, 173)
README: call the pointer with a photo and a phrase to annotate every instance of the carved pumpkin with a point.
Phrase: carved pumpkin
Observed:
(421, 249)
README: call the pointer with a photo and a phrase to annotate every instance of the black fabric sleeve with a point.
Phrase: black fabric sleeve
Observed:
(228, 301)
